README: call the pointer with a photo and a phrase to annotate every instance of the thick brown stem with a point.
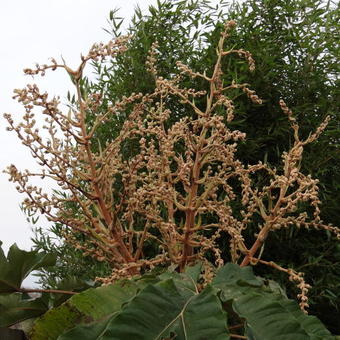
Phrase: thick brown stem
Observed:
(189, 224)
(270, 220)
(191, 212)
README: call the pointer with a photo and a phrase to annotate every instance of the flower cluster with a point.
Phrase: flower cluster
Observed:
(172, 184)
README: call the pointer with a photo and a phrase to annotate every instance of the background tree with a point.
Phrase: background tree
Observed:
(294, 45)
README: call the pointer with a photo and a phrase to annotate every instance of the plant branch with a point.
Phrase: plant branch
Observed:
(54, 291)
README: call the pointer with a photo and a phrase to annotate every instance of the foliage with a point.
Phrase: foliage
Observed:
(93, 304)
(18, 265)
(18, 303)
(171, 305)
(71, 266)
(16, 308)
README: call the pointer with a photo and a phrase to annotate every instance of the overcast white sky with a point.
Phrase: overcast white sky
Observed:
(33, 31)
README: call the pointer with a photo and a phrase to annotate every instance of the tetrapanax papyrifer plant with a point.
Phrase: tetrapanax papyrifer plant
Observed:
(159, 180)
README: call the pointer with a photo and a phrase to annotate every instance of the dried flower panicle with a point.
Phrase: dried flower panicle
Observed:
(151, 59)
(293, 276)
(228, 26)
(97, 52)
(182, 174)
(303, 286)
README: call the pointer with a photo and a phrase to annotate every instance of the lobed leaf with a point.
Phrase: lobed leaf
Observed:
(273, 317)
(18, 265)
(267, 311)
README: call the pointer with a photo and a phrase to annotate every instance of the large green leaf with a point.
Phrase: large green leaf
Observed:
(92, 304)
(172, 306)
(273, 317)
(14, 309)
(268, 313)
(163, 311)
(18, 265)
